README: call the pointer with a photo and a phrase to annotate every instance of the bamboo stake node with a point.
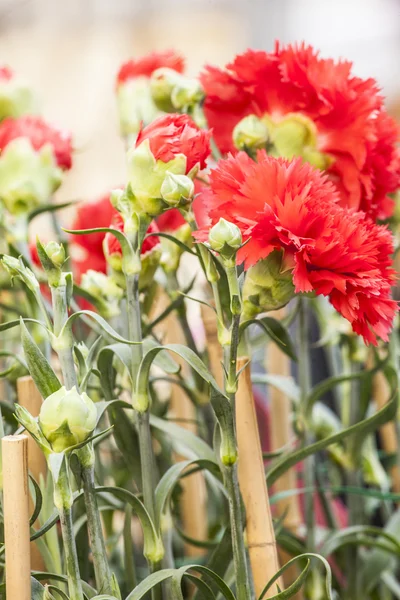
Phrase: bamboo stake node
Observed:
(16, 517)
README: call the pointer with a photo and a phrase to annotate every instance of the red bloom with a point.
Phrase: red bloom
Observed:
(173, 134)
(113, 246)
(331, 250)
(88, 248)
(144, 66)
(6, 74)
(39, 133)
(351, 126)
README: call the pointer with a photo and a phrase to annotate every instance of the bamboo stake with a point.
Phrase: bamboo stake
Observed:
(30, 398)
(259, 527)
(281, 434)
(16, 516)
(194, 496)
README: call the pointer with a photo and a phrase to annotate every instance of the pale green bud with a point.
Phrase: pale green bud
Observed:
(135, 105)
(177, 190)
(16, 98)
(56, 253)
(67, 418)
(28, 178)
(146, 176)
(250, 134)
(162, 83)
(106, 291)
(225, 237)
(17, 269)
(268, 285)
(187, 92)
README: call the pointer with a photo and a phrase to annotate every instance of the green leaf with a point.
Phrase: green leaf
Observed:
(43, 375)
(350, 534)
(183, 440)
(37, 590)
(126, 246)
(276, 331)
(100, 321)
(361, 429)
(307, 555)
(38, 501)
(173, 239)
(56, 590)
(171, 477)
(49, 208)
(284, 384)
(151, 581)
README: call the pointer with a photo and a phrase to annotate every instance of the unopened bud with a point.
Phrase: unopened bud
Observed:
(177, 190)
(162, 83)
(56, 253)
(67, 418)
(250, 134)
(186, 93)
(225, 237)
(268, 285)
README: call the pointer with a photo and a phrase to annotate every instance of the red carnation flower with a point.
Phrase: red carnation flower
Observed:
(5, 73)
(173, 134)
(146, 65)
(39, 133)
(343, 112)
(333, 251)
(113, 246)
(88, 248)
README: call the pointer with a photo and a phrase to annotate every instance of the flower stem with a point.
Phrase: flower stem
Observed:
(304, 384)
(65, 355)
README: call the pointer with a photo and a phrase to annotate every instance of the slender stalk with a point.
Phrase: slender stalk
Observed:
(304, 384)
(147, 462)
(65, 355)
(134, 324)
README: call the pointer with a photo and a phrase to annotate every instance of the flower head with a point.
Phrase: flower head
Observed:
(172, 144)
(314, 108)
(16, 96)
(39, 134)
(135, 103)
(330, 250)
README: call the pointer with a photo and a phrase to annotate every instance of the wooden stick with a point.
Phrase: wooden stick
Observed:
(259, 527)
(16, 516)
(194, 496)
(30, 398)
(281, 434)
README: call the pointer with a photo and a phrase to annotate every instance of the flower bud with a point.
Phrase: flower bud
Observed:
(105, 290)
(67, 418)
(186, 93)
(177, 190)
(17, 269)
(268, 285)
(28, 177)
(135, 105)
(171, 252)
(250, 134)
(16, 96)
(56, 253)
(162, 83)
(225, 237)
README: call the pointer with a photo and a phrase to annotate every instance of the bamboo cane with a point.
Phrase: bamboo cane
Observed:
(30, 398)
(259, 527)
(16, 517)
(281, 434)
(194, 497)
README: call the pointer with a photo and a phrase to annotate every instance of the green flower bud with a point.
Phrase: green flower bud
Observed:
(225, 237)
(28, 177)
(177, 190)
(56, 253)
(268, 285)
(150, 261)
(16, 98)
(105, 290)
(186, 93)
(250, 134)
(17, 269)
(135, 105)
(162, 83)
(67, 418)
(146, 176)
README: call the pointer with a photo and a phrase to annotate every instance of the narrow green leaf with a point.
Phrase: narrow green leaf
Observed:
(183, 440)
(100, 321)
(49, 208)
(276, 331)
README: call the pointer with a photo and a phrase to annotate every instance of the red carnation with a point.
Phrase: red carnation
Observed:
(173, 134)
(146, 65)
(113, 246)
(333, 251)
(346, 113)
(39, 133)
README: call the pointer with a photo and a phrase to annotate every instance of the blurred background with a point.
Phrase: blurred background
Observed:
(71, 51)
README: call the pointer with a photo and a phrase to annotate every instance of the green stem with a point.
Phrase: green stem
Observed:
(308, 438)
(147, 462)
(134, 323)
(65, 355)
(102, 570)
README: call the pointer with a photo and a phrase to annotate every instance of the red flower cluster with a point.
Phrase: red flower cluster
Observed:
(39, 133)
(331, 250)
(6, 74)
(113, 246)
(173, 134)
(352, 128)
(146, 65)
